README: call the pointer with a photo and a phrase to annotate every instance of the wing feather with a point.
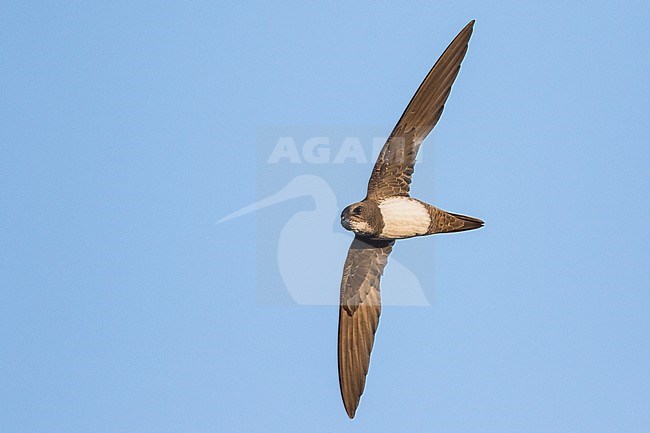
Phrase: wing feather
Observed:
(391, 175)
(359, 315)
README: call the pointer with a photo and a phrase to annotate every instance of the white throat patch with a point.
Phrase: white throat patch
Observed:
(360, 226)
(404, 217)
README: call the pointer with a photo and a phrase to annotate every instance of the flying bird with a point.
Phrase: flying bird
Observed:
(388, 213)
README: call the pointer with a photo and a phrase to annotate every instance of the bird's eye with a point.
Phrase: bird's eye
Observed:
(357, 210)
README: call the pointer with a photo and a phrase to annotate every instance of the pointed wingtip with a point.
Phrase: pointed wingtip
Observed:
(351, 411)
(464, 35)
(469, 27)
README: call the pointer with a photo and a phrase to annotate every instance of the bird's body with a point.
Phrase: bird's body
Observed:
(400, 217)
(404, 217)
(389, 213)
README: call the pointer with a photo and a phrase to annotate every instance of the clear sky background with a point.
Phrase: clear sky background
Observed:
(129, 128)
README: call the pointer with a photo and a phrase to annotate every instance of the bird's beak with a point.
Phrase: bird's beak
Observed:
(345, 222)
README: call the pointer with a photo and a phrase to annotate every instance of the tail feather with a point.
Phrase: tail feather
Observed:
(447, 222)
(469, 223)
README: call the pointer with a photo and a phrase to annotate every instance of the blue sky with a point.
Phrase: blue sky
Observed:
(129, 128)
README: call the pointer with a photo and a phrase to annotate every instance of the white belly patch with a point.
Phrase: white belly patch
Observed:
(403, 217)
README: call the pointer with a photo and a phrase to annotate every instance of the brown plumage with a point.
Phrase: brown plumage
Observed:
(388, 213)
(394, 167)
(447, 222)
(359, 315)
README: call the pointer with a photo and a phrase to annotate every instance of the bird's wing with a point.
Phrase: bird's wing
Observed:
(359, 315)
(391, 175)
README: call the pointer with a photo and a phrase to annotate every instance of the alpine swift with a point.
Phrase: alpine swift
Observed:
(388, 213)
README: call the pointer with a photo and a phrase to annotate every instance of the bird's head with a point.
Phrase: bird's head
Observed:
(363, 218)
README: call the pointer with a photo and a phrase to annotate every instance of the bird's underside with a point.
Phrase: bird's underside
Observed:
(388, 213)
